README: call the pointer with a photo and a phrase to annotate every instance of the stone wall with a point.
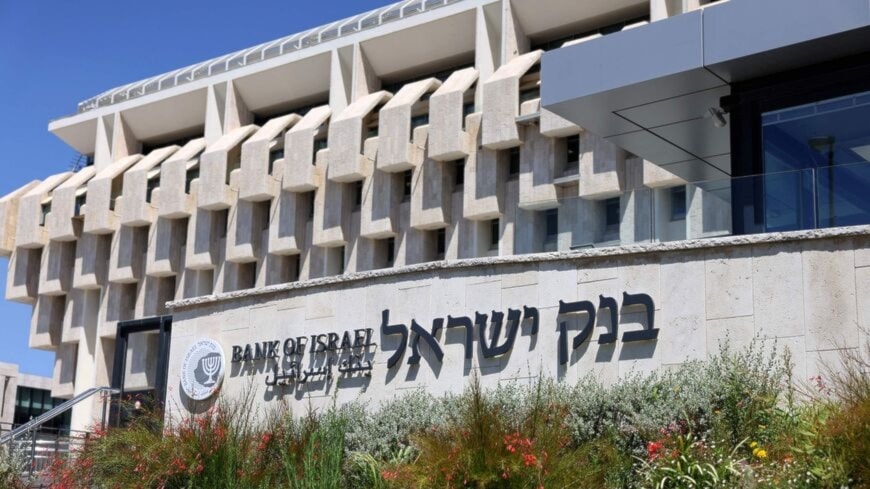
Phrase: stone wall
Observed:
(802, 291)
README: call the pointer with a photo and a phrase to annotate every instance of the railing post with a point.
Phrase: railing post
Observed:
(32, 452)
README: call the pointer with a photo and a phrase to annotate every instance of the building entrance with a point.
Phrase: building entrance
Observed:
(140, 367)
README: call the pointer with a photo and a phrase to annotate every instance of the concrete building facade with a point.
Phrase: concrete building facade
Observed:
(363, 178)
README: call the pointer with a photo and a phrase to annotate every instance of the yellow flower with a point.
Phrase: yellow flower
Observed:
(761, 426)
(755, 451)
(761, 453)
(753, 444)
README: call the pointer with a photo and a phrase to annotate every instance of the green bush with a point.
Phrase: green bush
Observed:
(733, 421)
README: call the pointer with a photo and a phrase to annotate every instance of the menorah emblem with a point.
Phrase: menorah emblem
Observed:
(210, 366)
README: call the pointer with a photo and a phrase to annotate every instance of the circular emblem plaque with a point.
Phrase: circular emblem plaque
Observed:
(202, 370)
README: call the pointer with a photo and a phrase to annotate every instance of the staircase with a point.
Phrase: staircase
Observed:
(39, 446)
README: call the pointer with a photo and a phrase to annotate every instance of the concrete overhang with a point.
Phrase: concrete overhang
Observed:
(650, 89)
(438, 44)
(542, 20)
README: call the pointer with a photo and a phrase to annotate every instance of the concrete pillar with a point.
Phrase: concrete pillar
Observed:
(92, 261)
(485, 174)
(225, 111)
(448, 139)
(56, 268)
(287, 233)
(114, 141)
(501, 102)
(216, 166)
(63, 376)
(514, 39)
(175, 199)
(166, 247)
(133, 206)
(256, 183)
(22, 277)
(431, 190)
(9, 206)
(347, 163)
(31, 230)
(129, 247)
(300, 170)
(341, 78)
(46, 322)
(62, 223)
(103, 190)
(8, 390)
(602, 168)
(397, 150)
(540, 157)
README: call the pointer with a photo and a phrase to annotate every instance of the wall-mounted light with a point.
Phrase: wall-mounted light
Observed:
(718, 117)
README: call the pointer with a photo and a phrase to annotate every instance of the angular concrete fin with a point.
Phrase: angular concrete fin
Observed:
(365, 80)
(515, 40)
(341, 78)
(124, 142)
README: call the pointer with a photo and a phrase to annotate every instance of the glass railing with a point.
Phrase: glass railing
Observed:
(776, 202)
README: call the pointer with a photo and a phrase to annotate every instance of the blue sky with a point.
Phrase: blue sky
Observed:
(56, 53)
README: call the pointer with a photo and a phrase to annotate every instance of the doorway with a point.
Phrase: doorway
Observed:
(140, 368)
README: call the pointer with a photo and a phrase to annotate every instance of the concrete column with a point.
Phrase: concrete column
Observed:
(225, 111)
(56, 269)
(300, 171)
(103, 190)
(9, 206)
(396, 148)
(501, 102)
(133, 206)
(175, 199)
(287, 232)
(61, 223)
(166, 239)
(602, 168)
(22, 277)
(330, 201)
(485, 174)
(245, 226)
(365, 80)
(256, 183)
(92, 261)
(540, 156)
(216, 166)
(448, 139)
(347, 163)
(431, 190)
(514, 40)
(46, 322)
(8, 390)
(340, 78)
(63, 377)
(114, 141)
(31, 229)
(129, 247)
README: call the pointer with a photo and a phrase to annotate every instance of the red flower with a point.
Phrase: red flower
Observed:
(654, 449)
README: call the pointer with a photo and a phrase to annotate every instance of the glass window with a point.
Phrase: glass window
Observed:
(357, 194)
(551, 217)
(440, 242)
(678, 203)
(459, 173)
(514, 163)
(153, 182)
(420, 120)
(274, 156)
(494, 231)
(816, 161)
(407, 181)
(611, 212)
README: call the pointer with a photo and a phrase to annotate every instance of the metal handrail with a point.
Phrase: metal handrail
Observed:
(55, 412)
